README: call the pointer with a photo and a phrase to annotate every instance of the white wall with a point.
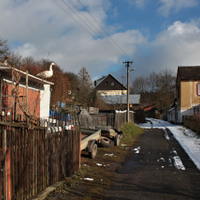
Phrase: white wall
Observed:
(172, 115)
(45, 101)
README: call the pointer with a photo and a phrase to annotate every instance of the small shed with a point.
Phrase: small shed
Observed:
(33, 92)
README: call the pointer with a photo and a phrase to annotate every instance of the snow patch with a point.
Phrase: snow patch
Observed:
(166, 135)
(99, 164)
(88, 179)
(178, 163)
(109, 154)
(188, 139)
(137, 150)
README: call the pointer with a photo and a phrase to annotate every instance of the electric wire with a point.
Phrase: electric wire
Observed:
(103, 29)
(84, 27)
(116, 53)
(100, 41)
(99, 27)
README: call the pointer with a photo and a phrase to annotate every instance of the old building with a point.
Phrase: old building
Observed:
(109, 85)
(187, 93)
(33, 92)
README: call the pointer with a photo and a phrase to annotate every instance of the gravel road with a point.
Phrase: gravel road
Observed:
(157, 169)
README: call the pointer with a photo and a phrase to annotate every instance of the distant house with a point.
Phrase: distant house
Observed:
(37, 90)
(109, 85)
(187, 93)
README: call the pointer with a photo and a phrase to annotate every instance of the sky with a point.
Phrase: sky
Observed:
(101, 34)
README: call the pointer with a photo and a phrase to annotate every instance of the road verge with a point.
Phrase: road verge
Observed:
(96, 175)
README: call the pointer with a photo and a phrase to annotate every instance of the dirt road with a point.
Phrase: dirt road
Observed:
(150, 172)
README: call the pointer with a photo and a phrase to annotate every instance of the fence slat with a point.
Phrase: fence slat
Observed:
(1, 159)
(4, 164)
(37, 158)
(17, 164)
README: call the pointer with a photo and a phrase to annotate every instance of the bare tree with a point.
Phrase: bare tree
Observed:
(28, 61)
(85, 87)
(156, 89)
(139, 85)
(73, 80)
(165, 92)
(152, 80)
(15, 60)
(4, 49)
(166, 81)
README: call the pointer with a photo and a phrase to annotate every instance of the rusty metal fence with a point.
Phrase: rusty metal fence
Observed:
(31, 160)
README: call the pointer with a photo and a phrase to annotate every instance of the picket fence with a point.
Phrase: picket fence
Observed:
(31, 160)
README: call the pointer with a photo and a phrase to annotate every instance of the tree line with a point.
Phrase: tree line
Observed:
(158, 88)
(68, 86)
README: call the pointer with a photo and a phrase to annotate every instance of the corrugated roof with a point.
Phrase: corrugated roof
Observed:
(121, 99)
(189, 72)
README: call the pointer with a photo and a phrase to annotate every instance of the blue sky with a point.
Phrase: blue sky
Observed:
(155, 34)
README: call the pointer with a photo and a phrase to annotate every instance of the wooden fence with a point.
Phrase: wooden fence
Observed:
(121, 119)
(192, 122)
(115, 120)
(31, 160)
(103, 119)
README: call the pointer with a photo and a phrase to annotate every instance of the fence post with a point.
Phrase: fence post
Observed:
(6, 168)
(79, 150)
(5, 164)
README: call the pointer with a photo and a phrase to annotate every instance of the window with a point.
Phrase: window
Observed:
(106, 83)
(112, 83)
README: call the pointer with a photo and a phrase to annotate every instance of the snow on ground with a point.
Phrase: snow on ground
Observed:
(137, 150)
(188, 139)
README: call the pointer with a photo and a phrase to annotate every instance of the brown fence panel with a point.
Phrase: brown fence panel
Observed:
(34, 159)
(115, 121)
(120, 120)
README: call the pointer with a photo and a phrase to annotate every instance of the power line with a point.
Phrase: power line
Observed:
(91, 28)
(118, 49)
(108, 47)
(79, 23)
(103, 28)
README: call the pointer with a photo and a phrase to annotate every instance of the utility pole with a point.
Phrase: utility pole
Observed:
(123, 77)
(127, 65)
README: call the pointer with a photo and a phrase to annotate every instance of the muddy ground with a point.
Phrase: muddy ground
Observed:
(151, 174)
(147, 173)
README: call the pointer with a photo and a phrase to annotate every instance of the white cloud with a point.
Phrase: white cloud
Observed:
(141, 3)
(138, 3)
(178, 45)
(175, 5)
(41, 28)
(38, 28)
